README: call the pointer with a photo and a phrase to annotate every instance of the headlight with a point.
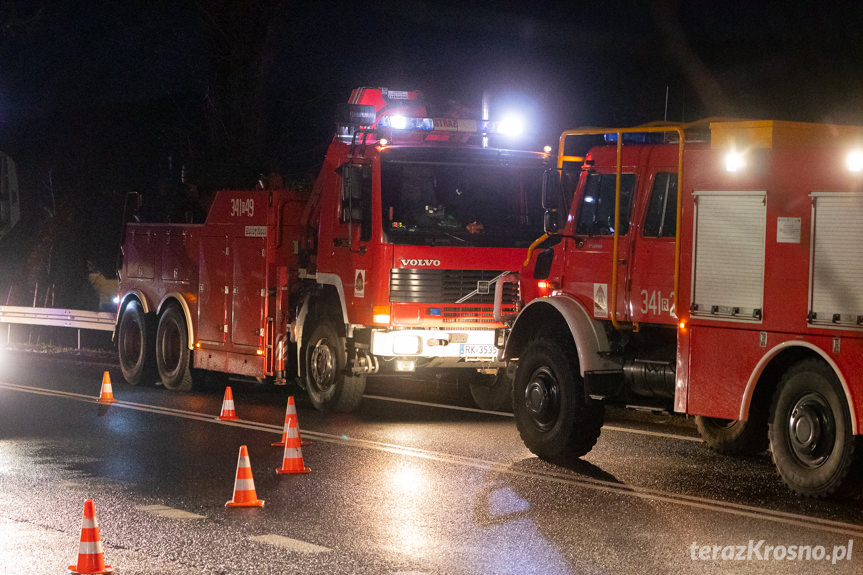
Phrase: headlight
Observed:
(855, 161)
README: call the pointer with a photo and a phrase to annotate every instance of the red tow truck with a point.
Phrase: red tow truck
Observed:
(710, 269)
(386, 265)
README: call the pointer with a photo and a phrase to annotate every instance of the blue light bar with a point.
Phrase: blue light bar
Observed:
(405, 123)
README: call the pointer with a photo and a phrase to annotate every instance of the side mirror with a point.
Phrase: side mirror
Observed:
(356, 179)
(552, 201)
(551, 222)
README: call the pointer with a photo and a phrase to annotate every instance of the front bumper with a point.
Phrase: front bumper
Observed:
(467, 345)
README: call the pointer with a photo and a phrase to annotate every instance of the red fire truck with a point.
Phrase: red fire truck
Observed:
(387, 265)
(737, 300)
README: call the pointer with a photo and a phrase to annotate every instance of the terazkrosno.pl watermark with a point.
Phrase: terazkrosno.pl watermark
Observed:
(760, 551)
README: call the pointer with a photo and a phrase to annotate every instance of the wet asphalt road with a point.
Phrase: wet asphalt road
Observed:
(396, 488)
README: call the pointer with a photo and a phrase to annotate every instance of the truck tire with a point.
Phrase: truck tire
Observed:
(328, 385)
(172, 351)
(553, 417)
(491, 392)
(733, 436)
(810, 430)
(135, 345)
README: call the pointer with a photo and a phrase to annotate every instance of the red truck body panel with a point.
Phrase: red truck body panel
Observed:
(722, 353)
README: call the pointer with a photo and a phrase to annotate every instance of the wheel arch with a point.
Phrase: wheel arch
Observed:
(134, 295)
(764, 378)
(323, 302)
(176, 298)
(129, 297)
(561, 315)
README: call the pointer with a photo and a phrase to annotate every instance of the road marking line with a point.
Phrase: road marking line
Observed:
(815, 523)
(507, 414)
(289, 544)
(169, 512)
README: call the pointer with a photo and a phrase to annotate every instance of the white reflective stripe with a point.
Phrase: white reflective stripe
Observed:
(89, 523)
(244, 485)
(228, 405)
(107, 387)
(243, 461)
(293, 453)
(293, 431)
(90, 548)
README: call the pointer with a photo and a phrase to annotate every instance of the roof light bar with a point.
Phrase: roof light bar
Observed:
(405, 123)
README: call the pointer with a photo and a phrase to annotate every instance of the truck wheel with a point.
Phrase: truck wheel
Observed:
(172, 351)
(551, 413)
(135, 345)
(732, 436)
(329, 388)
(491, 392)
(810, 430)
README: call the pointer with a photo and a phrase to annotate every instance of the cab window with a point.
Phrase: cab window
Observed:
(596, 215)
(661, 218)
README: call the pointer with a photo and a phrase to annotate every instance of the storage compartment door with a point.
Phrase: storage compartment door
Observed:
(728, 275)
(249, 291)
(213, 289)
(836, 270)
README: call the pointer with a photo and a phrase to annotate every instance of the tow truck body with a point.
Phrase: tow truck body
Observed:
(387, 264)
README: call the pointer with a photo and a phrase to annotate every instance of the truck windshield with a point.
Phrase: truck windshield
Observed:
(462, 203)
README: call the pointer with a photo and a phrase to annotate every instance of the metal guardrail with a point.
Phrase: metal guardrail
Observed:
(74, 318)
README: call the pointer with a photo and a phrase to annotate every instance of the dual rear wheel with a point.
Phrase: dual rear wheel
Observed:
(145, 352)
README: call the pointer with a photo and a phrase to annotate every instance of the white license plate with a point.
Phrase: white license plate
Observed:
(477, 350)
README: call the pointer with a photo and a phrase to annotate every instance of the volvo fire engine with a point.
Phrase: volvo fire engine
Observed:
(387, 265)
(710, 269)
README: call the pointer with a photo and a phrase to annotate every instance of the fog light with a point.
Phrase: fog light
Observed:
(406, 365)
(406, 345)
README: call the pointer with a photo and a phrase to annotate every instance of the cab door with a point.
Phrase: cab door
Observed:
(588, 271)
(652, 266)
(346, 236)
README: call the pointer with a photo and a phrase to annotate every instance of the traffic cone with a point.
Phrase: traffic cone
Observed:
(90, 557)
(244, 484)
(106, 395)
(293, 459)
(291, 412)
(228, 413)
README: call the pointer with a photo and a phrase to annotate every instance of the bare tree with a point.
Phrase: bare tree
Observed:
(241, 43)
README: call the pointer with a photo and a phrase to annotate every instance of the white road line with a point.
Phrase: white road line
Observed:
(749, 511)
(507, 414)
(169, 512)
(440, 405)
(289, 544)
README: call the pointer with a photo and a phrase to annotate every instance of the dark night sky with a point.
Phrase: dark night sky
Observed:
(100, 94)
(571, 63)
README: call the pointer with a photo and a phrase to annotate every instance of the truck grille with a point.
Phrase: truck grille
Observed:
(450, 286)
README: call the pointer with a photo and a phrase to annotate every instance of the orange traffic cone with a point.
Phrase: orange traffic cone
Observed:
(228, 413)
(244, 484)
(291, 412)
(106, 395)
(293, 459)
(90, 557)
